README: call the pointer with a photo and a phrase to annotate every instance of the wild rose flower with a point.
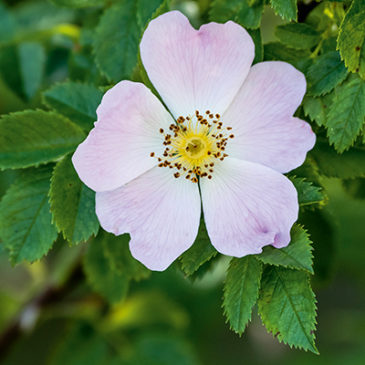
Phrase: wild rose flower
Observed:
(224, 148)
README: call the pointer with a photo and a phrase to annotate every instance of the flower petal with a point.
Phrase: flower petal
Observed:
(261, 117)
(247, 206)
(196, 69)
(160, 212)
(118, 149)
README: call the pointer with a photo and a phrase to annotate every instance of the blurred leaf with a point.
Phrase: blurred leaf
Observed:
(109, 283)
(81, 346)
(287, 9)
(25, 220)
(326, 73)
(287, 306)
(351, 38)
(116, 249)
(116, 41)
(297, 255)
(22, 68)
(259, 48)
(7, 24)
(355, 187)
(76, 101)
(78, 3)
(307, 193)
(317, 108)
(297, 35)
(72, 204)
(245, 12)
(201, 252)
(241, 291)
(32, 137)
(147, 9)
(348, 165)
(347, 113)
(161, 349)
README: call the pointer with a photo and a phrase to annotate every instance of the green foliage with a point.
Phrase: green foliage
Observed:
(241, 291)
(33, 137)
(308, 194)
(287, 9)
(102, 277)
(147, 9)
(297, 35)
(25, 220)
(326, 73)
(22, 67)
(76, 101)
(200, 252)
(297, 255)
(287, 306)
(347, 114)
(245, 12)
(317, 108)
(78, 3)
(72, 204)
(351, 39)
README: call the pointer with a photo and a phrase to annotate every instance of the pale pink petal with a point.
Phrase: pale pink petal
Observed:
(118, 149)
(247, 206)
(261, 117)
(160, 212)
(195, 69)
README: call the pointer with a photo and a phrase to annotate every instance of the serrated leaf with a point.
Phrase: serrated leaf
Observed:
(201, 252)
(287, 9)
(287, 306)
(297, 35)
(245, 12)
(326, 73)
(307, 192)
(72, 204)
(347, 113)
(351, 39)
(33, 137)
(116, 249)
(241, 290)
(317, 108)
(109, 283)
(25, 220)
(116, 40)
(297, 255)
(22, 68)
(76, 101)
(78, 3)
(348, 165)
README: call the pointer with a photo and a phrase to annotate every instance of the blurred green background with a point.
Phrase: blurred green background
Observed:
(50, 315)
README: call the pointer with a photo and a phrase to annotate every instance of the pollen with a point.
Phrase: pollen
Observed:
(193, 145)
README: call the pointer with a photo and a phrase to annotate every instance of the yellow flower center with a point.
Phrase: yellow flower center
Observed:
(193, 145)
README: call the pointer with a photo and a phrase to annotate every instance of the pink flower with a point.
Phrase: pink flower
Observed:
(224, 148)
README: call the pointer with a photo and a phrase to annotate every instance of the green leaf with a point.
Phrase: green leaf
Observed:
(245, 12)
(116, 41)
(297, 255)
(33, 137)
(259, 48)
(25, 220)
(147, 9)
(347, 113)
(201, 252)
(72, 204)
(287, 9)
(106, 281)
(326, 73)
(348, 165)
(7, 24)
(297, 35)
(22, 68)
(241, 291)
(116, 250)
(317, 108)
(307, 193)
(287, 306)
(351, 39)
(355, 187)
(76, 101)
(78, 3)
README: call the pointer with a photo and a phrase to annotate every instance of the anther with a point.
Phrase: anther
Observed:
(152, 154)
